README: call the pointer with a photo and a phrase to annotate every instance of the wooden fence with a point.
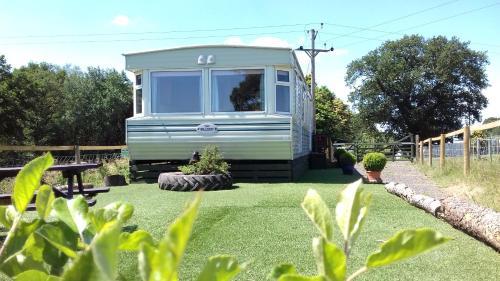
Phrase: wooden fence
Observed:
(466, 131)
(76, 148)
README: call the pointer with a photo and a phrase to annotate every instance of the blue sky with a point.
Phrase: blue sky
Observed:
(97, 32)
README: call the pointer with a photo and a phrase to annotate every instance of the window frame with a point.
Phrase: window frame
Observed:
(210, 93)
(283, 83)
(135, 88)
(200, 70)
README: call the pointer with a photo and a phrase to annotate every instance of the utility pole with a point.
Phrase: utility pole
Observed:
(312, 53)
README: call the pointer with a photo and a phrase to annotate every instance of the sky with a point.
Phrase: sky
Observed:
(98, 32)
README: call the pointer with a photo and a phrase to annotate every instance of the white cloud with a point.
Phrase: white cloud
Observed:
(121, 20)
(235, 40)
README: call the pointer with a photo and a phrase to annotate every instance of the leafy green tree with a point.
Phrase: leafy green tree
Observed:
(420, 86)
(333, 116)
(98, 102)
(9, 106)
(38, 90)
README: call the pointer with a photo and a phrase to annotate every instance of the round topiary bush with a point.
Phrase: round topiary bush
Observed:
(338, 152)
(347, 159)
(374, 161)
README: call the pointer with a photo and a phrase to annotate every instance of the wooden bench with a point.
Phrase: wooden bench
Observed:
(88, 193)
(69, 172)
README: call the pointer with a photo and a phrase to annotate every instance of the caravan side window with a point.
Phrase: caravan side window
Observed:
(176, 92)
(282, 99)
(138, 94)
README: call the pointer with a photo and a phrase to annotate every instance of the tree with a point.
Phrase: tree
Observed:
(420, 86)
(494, 131)
(333, 116)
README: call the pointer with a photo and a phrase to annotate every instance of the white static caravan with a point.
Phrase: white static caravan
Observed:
(252, 102)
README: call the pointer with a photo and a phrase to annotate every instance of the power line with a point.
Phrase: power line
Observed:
(427, 23)
(392, 20)
(147, 39)
(155, 32)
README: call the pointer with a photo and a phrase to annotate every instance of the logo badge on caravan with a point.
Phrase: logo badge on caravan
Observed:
(206, 129)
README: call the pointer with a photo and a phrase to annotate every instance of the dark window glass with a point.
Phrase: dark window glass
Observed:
(176, 92)
(237, 90)
(282, 98)
(283, 76)
(138, 101)
(138, 80)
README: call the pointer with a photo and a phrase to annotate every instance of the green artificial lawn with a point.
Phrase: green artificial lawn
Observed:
(264, 224)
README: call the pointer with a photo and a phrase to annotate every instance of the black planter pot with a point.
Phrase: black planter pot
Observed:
(115, 180)
(347, 169)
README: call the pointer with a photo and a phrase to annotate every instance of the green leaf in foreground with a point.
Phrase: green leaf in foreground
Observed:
(74, 213)
(296, 277)
(351, 210)
(35, 275)
(105, 250)
(28, 180)
(318, 212)
(44, 200)
(132, 241)
(282, 269)
(62, 238)
(330, 260)
(405, 244)
(220, 268)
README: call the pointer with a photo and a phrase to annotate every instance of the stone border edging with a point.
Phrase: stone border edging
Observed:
(480, 222)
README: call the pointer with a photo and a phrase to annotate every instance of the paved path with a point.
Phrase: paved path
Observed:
(405, 172)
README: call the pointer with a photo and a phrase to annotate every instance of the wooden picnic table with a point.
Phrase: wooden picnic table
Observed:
(69, 171)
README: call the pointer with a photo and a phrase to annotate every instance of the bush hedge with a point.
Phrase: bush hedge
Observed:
(338, 152)
(347, 158)
(374, 161)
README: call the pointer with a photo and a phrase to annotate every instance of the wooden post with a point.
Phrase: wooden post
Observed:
(489, 150)
(421, 152)
(442, 154)
(417, 148)
(430, 151)
(412, 153)
(478, 148)
(466, 150)
(77, 154)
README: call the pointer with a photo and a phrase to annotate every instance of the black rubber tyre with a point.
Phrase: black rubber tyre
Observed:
(177, 181)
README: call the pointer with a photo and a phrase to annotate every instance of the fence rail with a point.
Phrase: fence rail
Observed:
(78, 154)
(491, 146)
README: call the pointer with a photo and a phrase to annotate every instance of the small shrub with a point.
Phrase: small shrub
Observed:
(211, 162)
(374, 161)
(338, 152)
(347, 159)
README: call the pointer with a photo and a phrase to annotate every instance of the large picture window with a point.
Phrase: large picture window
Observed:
(237, 90)
(176, 92)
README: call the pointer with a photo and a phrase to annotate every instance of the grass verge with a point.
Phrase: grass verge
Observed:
(481, 186)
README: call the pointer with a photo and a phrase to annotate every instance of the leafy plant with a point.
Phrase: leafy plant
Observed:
(350, 214)
(374, 161)
(211, 162)
(338, 152)
(347, 159)
(69, 241)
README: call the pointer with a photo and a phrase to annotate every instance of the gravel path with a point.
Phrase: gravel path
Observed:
(405, 172)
